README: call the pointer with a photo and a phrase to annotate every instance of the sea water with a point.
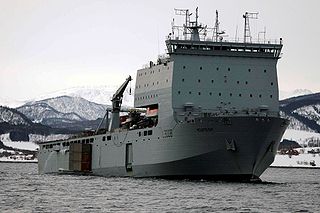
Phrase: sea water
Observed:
(22, 189)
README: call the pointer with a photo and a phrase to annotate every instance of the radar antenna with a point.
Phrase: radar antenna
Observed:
(247, 34)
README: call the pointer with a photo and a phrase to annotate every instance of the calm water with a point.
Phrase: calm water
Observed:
(283, 190)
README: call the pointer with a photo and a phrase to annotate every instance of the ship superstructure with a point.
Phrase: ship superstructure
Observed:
(211, 111)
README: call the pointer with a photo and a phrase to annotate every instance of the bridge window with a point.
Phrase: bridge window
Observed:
(109, 137)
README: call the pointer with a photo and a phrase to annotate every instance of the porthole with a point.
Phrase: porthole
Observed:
(200, 68)
(211, 81)
(240, 95)
(179, 92)
(184, 67)
(260, 96)
(167, 80)
(217, 68)
(199, 93)
(219, 93)
(249, 70)
(198, 80)
(271, 83)
(228, 68)
(250, 95)
(246, 82)
(183, 80)
(265, 71)
(238, 82)
(190, 92)
(270, 96)
(230, 94)
(210, 93)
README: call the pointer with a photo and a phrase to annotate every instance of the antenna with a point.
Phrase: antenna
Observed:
(247, 34)
(216, 30)
(264, 35)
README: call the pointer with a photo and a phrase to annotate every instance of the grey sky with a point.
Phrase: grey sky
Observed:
(52, 45)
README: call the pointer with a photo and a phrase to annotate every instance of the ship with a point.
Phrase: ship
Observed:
(207, 109)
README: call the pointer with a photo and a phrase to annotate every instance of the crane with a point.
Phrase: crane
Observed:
(116, 105)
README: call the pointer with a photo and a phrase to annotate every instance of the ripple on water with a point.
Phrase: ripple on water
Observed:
(288, 190)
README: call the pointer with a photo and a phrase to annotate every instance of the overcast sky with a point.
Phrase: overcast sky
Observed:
(56, 44)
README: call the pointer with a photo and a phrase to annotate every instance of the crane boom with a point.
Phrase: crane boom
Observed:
(116, 105)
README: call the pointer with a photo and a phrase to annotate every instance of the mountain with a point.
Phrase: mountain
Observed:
(303, 112)
(297, 92)
(19, 126)
(96, 94)
(74, 113)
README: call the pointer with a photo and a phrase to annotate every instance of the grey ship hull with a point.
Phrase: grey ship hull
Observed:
(237, 148)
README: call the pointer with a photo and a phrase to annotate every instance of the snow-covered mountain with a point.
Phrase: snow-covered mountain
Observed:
(96, 94)
(63, 107)
(13, 117)
(297, 92)
(303, 112)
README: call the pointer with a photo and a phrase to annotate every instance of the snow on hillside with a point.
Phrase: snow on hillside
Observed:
(295, 124)
(297, 92)
(312, 112)
(302, 137)
(78, 106)
(37, 112)
(12, 117)
(26, 145)
(97, 94)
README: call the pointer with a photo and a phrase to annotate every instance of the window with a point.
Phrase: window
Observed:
(109, 137)
(270, 96)
(145, 133)
(104, 138)
(149, 132)
(260, 96)
(91, 140)
(139, 134)
(87, 140)
(246, 82)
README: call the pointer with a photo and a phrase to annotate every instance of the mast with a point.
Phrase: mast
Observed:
(247, 34)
